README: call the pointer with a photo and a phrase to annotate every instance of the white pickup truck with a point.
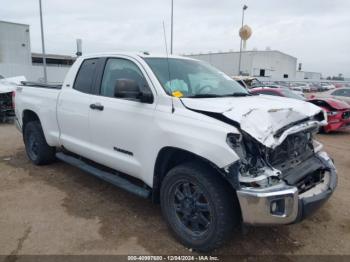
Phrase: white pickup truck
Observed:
(184, 134)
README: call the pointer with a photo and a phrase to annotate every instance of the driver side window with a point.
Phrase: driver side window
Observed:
(119, 68)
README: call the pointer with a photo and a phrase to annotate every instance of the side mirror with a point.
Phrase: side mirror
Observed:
(146, 98)
(129, 89)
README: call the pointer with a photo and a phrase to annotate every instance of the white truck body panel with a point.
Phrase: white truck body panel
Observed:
(123, 111)
(43, 102)
(144, 129)
(73, 115)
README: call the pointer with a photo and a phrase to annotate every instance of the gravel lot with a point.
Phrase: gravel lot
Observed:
(58, 209)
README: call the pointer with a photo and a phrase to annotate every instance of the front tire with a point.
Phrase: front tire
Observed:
(37, 149)
(199, 206)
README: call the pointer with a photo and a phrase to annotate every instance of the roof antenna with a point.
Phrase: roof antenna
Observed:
(167, 59)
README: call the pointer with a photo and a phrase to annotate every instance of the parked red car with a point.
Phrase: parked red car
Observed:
(284, 92)
(338, 112)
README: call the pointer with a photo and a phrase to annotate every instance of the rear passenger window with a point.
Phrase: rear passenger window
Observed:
(85, 77)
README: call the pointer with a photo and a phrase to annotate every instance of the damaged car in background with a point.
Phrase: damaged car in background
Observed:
(185, 135)
(7, 88)
(338, 112)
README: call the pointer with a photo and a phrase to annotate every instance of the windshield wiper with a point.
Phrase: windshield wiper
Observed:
(203, 96)
(237, 94)
(240, 94)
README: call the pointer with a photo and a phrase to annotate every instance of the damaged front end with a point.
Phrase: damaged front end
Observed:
(284, 184)
(6, 107)
(282, 174)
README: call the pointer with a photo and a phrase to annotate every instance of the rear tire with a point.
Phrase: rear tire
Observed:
(37, 149)
(199, 206)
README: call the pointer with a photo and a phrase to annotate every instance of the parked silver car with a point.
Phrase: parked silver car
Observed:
(342, 94)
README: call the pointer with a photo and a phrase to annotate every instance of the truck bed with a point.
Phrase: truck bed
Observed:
(41, 99)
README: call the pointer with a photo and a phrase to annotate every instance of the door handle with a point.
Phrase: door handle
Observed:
(97, 106)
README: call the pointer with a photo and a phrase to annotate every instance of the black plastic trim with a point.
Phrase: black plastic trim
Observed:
(295, 174)
(308, 206)
(106, 176)
(217, 116)
(123, 151)
(40, 85)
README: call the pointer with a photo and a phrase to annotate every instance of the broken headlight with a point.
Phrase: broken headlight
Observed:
(234, 140)
(265, 177)
(252, 168)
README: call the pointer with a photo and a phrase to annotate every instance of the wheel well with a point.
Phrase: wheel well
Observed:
(168, 158)
(29, 116)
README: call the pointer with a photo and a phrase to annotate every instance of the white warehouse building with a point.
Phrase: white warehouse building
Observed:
(269, 63)
(16, 58)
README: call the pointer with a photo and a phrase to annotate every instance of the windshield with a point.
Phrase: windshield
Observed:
(290, 94)
(190, 78)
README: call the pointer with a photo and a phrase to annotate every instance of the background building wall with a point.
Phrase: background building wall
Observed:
(273, 64)
(16, 56)
(14, 43)
(313, 75)
(34, 72)
(303, 75)
(227, 62)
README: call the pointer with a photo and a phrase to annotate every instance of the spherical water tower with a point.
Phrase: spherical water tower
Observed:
(245, 33)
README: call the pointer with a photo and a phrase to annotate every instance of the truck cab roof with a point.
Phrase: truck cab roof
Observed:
(134, 55)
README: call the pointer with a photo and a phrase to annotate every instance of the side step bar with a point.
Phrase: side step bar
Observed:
(106, 176)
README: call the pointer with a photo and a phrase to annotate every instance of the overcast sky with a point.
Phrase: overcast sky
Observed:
(317, 32)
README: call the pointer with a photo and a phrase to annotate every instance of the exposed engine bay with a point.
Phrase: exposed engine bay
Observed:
(294, 161)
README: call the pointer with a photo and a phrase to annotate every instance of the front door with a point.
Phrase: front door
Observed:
(120, 129)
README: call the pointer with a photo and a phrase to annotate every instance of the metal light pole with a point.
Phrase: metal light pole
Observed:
(240, 47)
(172, 27)
(43, 42)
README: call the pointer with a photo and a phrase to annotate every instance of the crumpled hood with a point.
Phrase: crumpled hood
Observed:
(260, 116)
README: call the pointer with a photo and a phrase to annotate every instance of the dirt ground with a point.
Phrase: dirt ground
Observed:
(58, 209)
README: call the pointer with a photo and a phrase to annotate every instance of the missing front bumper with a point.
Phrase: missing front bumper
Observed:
(282, 204)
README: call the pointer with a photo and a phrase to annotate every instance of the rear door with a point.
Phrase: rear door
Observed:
(121, 128)
(74, 108)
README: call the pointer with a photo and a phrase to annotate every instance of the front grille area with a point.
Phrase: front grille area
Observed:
(294, 149)
(346, 115)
